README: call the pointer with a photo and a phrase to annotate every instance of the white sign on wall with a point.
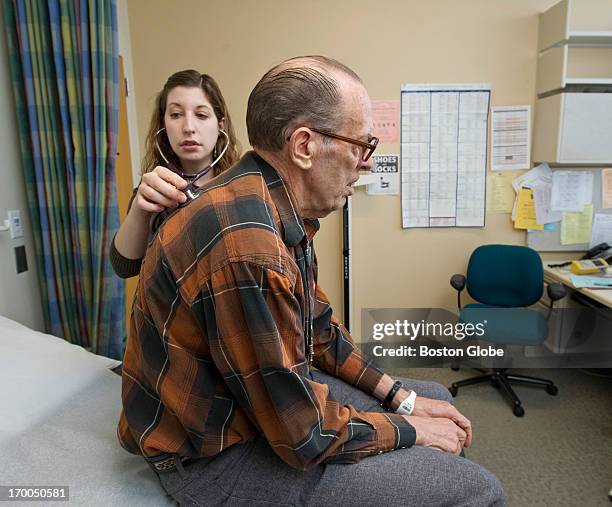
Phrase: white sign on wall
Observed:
(386, 169)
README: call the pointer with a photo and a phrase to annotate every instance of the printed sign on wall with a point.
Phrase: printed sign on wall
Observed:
(386, 168)
(386, 116)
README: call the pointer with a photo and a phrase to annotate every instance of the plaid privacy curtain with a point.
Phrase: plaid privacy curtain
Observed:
(64, 66)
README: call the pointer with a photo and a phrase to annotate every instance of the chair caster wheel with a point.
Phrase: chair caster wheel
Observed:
(453, 390)
(552, 390)
(518, 411)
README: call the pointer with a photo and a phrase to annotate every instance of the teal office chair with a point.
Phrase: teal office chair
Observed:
(508, 279)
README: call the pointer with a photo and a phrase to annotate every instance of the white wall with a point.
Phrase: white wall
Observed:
(19, 293)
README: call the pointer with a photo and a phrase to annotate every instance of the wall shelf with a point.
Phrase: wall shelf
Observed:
(564, 65)
(576, 23)
(588, 81)
(573, 112)
(588, 39)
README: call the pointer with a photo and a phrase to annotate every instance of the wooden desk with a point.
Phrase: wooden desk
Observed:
(564, 338)
(563, 276)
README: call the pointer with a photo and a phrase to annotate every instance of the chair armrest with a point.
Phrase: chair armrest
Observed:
(458, 282)
(555, 292)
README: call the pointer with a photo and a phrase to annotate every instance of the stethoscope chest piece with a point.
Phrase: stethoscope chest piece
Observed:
(191, 194)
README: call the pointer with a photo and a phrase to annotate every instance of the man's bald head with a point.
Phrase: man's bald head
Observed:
(302, 90)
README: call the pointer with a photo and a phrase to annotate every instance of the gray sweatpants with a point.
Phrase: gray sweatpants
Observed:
(252, 475)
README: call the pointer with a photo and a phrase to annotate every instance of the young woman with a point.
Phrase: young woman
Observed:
(190, 140)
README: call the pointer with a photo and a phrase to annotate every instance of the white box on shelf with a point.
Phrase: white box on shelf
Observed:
(574, 128)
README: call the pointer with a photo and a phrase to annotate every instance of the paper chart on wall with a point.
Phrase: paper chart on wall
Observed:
(511, 135)
(444, 129)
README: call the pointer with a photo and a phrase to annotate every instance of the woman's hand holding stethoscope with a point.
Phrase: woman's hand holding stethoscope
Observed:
(159, 189)
(168, 187)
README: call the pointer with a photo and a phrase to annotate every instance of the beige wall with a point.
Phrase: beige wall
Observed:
(125, 51)
(387, 43)
(19, 293)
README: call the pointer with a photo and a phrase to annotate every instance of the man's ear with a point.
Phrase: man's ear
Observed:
(302, 148)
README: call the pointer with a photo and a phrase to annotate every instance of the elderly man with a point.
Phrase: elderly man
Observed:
(239, 386)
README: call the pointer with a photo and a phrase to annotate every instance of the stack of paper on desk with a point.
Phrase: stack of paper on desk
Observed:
(589, 281)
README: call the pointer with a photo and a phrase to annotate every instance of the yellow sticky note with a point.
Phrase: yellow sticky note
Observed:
(500, 193)
(525, 211)
(577, 226)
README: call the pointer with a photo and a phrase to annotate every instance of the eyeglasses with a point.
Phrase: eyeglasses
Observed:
(368, 148)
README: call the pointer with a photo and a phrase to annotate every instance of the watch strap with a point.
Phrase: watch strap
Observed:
(386, 404)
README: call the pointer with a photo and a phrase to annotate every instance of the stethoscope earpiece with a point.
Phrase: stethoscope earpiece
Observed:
(227, 142)
(158, 147)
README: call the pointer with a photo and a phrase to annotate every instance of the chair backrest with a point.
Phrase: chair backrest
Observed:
(505, 275)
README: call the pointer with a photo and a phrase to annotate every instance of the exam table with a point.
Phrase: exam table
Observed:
(59, 406)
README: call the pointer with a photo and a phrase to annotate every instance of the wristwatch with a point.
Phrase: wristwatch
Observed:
(386, 403)
(407, 406)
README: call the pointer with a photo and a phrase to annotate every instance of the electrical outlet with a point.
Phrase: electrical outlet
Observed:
(15, 223)
(20, 259)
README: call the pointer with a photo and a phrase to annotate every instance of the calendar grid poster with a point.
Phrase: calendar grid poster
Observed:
(444, 137)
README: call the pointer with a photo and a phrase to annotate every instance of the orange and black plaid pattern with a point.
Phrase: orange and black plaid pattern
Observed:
(218, 347)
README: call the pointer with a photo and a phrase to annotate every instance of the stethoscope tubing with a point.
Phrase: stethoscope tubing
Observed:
(199, 173)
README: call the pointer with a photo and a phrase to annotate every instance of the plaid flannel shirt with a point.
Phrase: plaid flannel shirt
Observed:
(226, 323)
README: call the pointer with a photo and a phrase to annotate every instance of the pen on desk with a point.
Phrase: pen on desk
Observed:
(561, 265)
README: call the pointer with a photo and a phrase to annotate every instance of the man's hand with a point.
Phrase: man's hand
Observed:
(160, 189)
(426, 407)
(438, 432)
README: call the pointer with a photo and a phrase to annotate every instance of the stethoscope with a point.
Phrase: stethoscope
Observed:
(190, 191)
